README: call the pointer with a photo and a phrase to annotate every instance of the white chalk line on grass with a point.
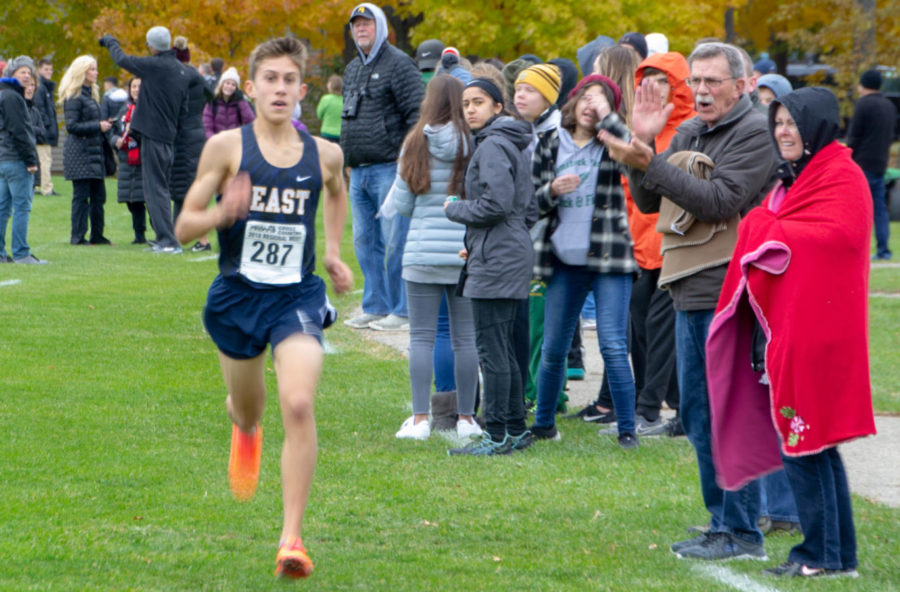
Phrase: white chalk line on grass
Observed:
(10, 283)
(884, 295)
(725, 576)
(204, 258)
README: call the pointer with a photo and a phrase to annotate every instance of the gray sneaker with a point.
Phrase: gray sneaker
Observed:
(165, 250)
(30, 260)
(362, 321)
(723, 545)
(649, 429)
(610, 431)
(695, 540)
(4, 258)
(484, 446)
(390, 323)
(641, 427)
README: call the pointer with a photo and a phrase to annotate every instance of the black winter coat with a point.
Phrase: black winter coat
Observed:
(83, 149)
(390, 89)
(129, 177)
(164, 84)
(43, 100)
(37, 122)
(190, 139)
(16, 133)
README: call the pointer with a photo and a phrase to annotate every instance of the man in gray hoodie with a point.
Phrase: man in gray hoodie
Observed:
(382, 92)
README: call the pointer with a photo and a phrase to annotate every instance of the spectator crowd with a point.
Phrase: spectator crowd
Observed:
(676, 205)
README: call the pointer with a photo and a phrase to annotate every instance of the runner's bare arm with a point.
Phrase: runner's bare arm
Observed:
(334, 213)
(216, 172)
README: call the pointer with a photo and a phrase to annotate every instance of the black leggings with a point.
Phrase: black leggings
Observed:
(504, 405)
(88, 196)
(138, 218)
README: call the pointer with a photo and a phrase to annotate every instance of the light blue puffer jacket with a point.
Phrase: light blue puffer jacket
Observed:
(433, 240)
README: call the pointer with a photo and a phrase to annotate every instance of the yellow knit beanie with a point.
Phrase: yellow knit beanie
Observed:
(545, 78)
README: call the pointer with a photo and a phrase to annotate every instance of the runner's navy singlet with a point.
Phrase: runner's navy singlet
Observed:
(275, 245)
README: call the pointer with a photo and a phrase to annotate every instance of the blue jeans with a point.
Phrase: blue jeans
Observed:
(736, 512)
(16, 193)
(443, 360)
(378, 242)
(564, 297)
(589, 310)
(882, 219)
(778, 499)
(829, 537)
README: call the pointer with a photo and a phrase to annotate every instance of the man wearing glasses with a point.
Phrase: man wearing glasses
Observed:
(698, 218)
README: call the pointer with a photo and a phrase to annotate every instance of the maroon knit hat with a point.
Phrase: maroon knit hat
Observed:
(183, 55)
(599, 79)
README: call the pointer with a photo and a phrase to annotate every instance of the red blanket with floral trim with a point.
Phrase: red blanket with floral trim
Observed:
(803, 271)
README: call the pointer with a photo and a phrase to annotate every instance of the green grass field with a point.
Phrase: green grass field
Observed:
(115, 446)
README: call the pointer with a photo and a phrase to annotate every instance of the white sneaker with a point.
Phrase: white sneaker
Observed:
(390, 323)
(362, 321)
(465, 430)
(414, 431)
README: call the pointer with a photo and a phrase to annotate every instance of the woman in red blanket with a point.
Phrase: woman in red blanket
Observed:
(800, 270)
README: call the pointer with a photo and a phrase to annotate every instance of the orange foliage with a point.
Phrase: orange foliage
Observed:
(228, 30)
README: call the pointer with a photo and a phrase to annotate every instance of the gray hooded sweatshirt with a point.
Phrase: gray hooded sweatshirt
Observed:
(386, 89)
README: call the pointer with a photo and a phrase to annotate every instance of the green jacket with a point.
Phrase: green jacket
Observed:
(329, 113)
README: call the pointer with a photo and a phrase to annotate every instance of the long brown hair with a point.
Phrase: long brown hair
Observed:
(619, 63)
(442, 104)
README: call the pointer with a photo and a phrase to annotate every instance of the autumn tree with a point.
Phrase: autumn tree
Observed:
(551, 28)
(231, 30)
(848, 35)
(39, 28)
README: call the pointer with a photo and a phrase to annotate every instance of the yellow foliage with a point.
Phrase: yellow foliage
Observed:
(552, 28)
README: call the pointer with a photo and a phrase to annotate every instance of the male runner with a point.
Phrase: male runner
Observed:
(269, 176)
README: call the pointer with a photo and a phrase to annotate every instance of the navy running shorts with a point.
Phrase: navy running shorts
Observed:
(242, 319)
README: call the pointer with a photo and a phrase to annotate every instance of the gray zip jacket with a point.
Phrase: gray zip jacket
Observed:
(499, 208)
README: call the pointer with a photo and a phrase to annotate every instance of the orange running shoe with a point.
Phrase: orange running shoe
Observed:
(292, 560)
(243, 463)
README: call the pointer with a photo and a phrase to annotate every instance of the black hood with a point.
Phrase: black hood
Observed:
(816, 112)
(516, 131)
(569, 78)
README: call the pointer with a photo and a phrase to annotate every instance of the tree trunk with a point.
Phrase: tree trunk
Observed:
(730, 35)
(865, 41)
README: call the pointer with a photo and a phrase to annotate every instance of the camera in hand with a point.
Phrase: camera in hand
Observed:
(614, 125)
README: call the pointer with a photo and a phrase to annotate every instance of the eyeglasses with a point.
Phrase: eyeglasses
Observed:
(709, 82)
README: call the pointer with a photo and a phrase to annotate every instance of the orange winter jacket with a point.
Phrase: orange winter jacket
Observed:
(647, 241)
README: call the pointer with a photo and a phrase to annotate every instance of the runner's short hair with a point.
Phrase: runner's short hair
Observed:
(275, 48)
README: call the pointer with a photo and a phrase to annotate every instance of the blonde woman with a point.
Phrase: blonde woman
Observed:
(83, 161)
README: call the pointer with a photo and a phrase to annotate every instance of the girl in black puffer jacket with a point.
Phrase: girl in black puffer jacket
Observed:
(130, 187)
(83, 162)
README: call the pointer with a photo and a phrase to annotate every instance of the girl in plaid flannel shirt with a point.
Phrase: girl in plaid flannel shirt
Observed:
(586, 247)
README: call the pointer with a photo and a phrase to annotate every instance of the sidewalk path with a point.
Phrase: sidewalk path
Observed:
(872, 474)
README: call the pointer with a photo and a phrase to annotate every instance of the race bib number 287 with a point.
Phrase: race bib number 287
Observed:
(273, 252)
